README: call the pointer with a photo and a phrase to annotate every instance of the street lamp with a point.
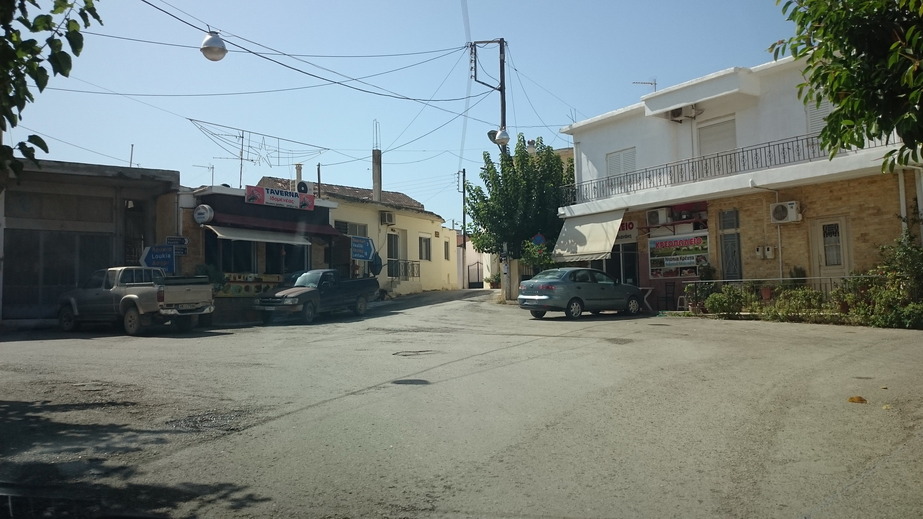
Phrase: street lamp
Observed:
(213, 47)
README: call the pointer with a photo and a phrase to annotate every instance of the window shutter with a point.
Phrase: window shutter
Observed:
(718, 137)
(620, 162)
(817, 116)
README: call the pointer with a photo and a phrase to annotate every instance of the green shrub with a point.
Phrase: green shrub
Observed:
(799, 304)
(890, 297)
(728, 303)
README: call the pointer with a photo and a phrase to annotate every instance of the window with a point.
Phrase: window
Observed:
(717, 137)
(833, 252)
(447, 258)
(817, 116)
(425, 251)
(351, 229)
(620, 162)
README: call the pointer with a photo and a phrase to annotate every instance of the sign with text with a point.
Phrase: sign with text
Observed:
(628, 232)
(159, 256)
(279, 198)
(678, 256)
(362, 248)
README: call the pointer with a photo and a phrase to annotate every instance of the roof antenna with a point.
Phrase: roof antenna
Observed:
(652, 83)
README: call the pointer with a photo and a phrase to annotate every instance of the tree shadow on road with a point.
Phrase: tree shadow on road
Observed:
(55, 468)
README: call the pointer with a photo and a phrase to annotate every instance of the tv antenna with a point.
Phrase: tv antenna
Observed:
(652, 83)
(210, 168)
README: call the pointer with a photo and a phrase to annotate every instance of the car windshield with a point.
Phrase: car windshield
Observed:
(308, 279)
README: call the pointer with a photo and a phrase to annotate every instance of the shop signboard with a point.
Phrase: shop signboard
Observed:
(279, 197)
(678, 256)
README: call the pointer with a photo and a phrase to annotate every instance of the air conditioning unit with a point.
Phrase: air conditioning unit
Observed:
(684, 112)
(387, 218)
(784, 212)
(658, 216)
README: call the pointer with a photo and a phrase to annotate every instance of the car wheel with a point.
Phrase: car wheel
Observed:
(538, 314)
(131, 321)
(308, 313)
(362, 304)
(66, 319)
(634, 306)
(266, 317)
(574, 308)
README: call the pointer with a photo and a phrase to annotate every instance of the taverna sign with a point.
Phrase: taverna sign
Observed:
(279, 197)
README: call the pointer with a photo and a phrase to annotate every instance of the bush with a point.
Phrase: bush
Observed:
(728, 303)
(799, 304)
(890, 296)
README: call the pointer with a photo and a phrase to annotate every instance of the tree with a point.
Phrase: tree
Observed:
(864, 57)
(24, 59)
(519, 200)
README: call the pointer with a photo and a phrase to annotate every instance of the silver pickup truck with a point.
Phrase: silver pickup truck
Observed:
(137, 297)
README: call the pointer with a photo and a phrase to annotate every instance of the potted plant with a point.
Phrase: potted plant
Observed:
(493, 280)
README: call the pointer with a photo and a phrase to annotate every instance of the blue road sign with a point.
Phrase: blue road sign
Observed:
(159, 256)
(362, 248)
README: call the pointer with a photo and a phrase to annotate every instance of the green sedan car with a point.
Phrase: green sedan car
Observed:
(575, 290)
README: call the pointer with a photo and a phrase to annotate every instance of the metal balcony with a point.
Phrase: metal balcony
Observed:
(759, 157)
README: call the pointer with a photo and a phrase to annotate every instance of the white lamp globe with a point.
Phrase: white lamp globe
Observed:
(213, 47)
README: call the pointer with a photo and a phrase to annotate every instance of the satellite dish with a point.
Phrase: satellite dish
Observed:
(376, 264)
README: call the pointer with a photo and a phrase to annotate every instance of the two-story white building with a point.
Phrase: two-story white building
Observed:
(725, 171)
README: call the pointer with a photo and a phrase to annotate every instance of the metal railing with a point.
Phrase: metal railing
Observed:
(765, 289)
(403, 269)
(752, 158)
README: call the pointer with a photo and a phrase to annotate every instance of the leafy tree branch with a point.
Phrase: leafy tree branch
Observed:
(29, 47)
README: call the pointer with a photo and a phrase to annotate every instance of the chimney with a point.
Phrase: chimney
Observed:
(376, 175)
(297, 175)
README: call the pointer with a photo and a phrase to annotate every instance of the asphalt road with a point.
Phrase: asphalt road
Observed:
(451, 405)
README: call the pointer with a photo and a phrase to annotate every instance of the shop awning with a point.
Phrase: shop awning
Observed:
(235, 234)
(589, 237)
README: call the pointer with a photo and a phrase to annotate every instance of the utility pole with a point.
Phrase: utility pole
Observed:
(501, 138)
(464, 262)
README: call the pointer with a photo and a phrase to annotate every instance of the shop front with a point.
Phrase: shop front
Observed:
(249, 239)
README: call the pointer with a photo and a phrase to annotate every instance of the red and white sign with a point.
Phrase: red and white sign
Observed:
(279, 197)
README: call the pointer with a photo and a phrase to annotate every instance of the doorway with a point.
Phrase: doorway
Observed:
(830, 247)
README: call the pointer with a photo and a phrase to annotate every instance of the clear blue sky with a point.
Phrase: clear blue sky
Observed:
(566, 61)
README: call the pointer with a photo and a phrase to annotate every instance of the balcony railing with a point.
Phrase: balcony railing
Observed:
(403, 269)
(733, 162)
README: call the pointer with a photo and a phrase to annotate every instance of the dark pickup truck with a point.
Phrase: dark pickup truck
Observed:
(308, 293)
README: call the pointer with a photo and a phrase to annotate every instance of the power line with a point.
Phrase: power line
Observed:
(331, 56)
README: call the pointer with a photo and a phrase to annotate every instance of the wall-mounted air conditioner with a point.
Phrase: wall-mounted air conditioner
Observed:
(680, 114)
(784, 212)
(387, 218)
(659, 216)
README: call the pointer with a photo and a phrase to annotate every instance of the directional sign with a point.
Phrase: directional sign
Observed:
(362, 248)
(159, 256)
(177, 240)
